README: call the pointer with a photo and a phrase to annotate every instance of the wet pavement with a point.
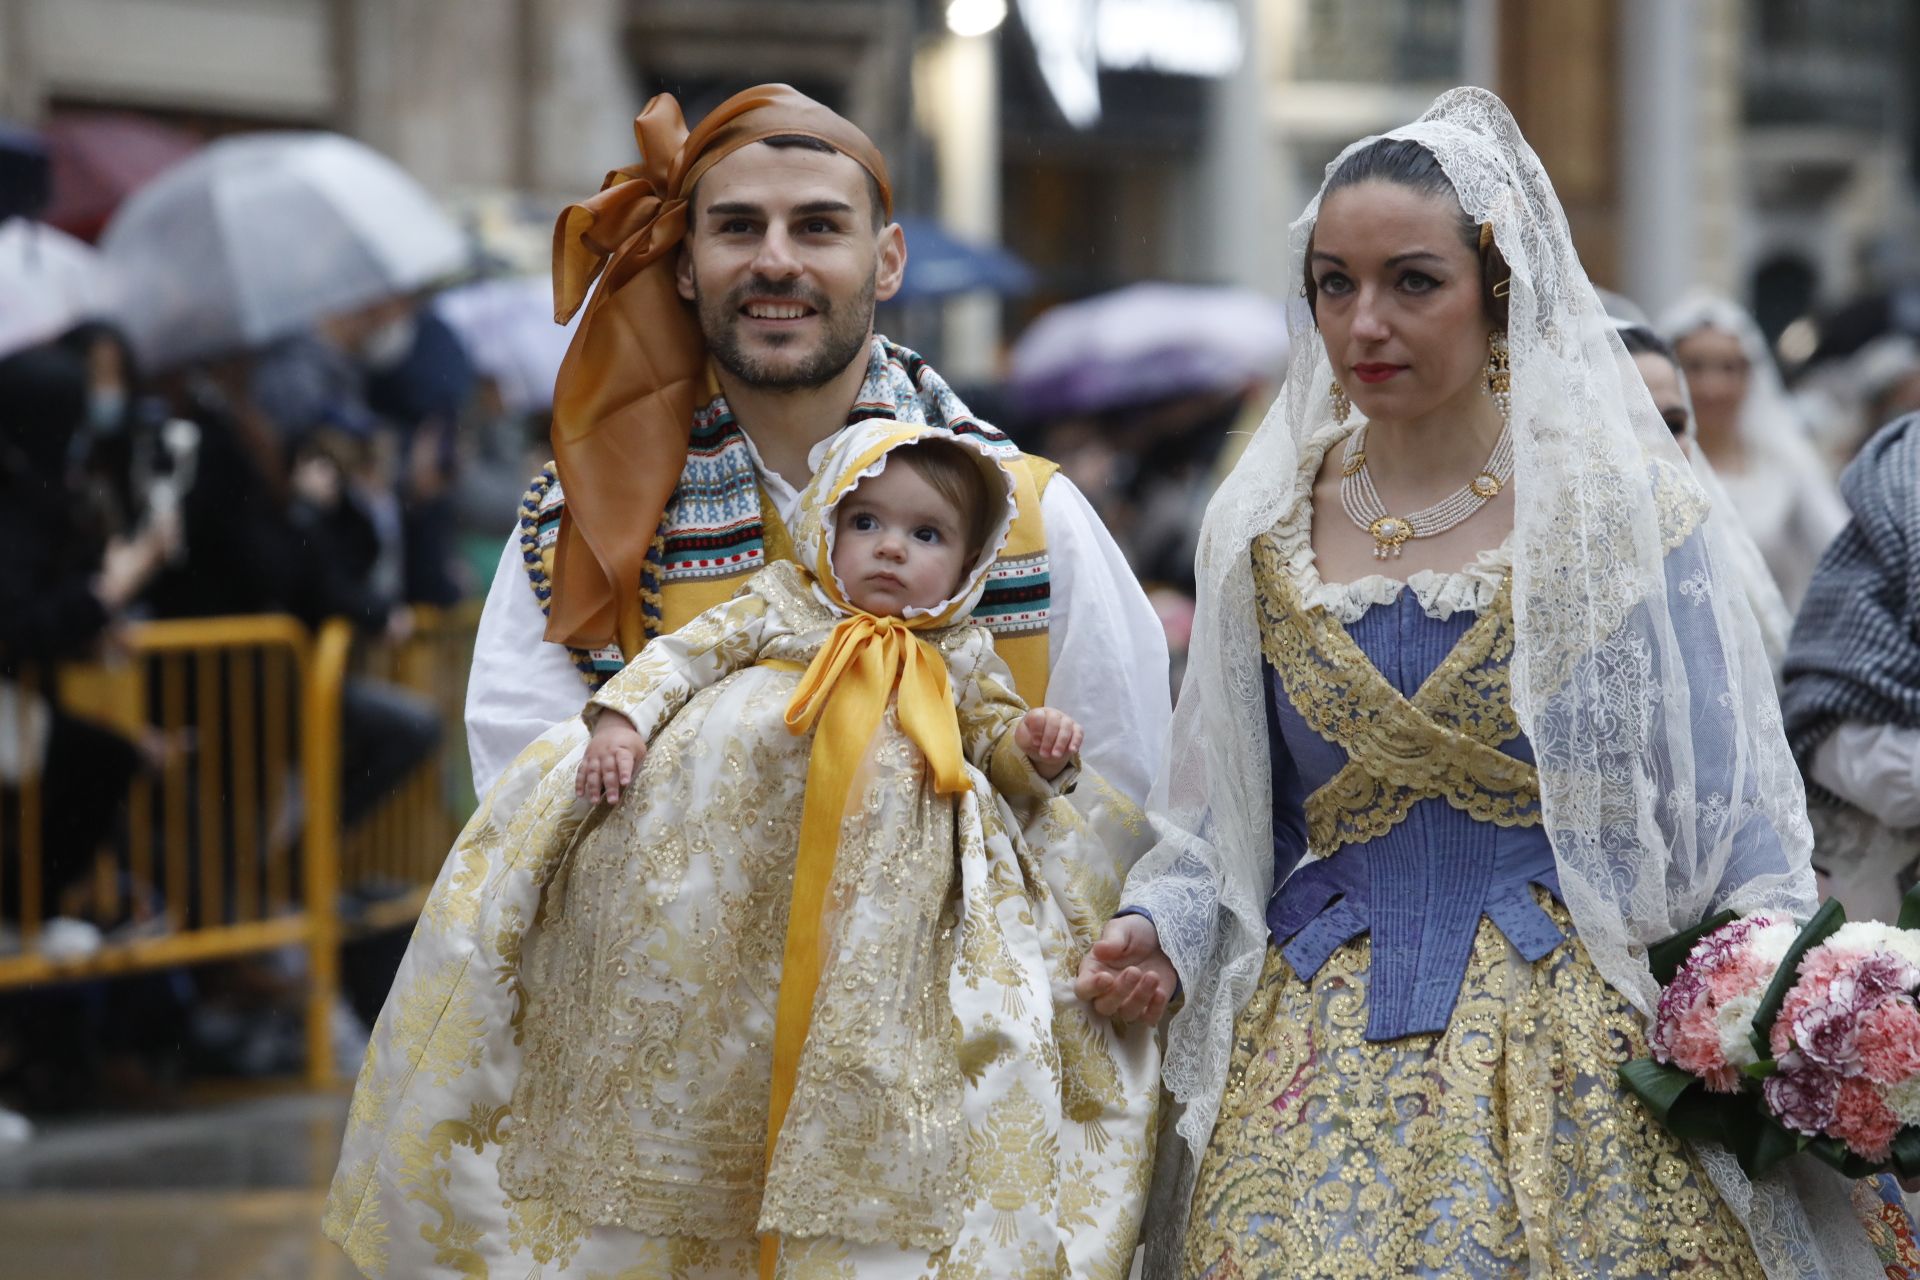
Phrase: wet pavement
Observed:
(228, 1191)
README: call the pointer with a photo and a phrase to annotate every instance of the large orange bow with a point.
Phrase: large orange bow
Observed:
(624, 399)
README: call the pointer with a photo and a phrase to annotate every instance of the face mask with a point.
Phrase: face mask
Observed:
(388, 345)
(106, 410)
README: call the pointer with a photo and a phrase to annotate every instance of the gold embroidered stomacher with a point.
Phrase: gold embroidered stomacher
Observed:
(1442, 743)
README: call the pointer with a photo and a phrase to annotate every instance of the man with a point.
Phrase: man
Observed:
(761, 243)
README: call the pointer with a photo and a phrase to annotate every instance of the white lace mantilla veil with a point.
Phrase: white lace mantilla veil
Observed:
(1661, 808)
(1748, 565)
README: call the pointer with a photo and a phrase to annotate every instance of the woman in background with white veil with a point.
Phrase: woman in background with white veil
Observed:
(1659, 368)
(1475, 711)
(1756, 439)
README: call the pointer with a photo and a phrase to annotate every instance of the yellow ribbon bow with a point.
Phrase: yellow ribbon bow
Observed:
(842, 699)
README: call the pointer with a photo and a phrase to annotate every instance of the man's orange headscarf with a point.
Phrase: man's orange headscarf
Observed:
(623, 403)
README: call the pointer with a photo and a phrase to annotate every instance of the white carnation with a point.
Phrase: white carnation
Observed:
(1772, 942)
(1904, 1098)
(1734, 1025)
(1861, 936)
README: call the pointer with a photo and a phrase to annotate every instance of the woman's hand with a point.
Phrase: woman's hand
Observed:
(614, 755)
(1125, 975)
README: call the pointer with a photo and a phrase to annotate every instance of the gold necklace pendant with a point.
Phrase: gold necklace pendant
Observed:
(1390, 533)
(1353, 465)
(1486, 485)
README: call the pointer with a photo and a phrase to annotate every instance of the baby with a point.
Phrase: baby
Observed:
(904, 538)
(803, 782)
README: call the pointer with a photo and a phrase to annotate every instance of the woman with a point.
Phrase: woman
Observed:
(1518, 724)
(1659, 368)
(1755, 439)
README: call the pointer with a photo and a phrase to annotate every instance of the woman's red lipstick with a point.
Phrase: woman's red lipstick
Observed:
(1376, 372)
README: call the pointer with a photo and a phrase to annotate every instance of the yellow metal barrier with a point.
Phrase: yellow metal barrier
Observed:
(234, 842)
(244, 797)
(396, 852)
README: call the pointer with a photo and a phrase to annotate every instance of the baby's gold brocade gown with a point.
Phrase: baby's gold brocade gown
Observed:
(570, 1078)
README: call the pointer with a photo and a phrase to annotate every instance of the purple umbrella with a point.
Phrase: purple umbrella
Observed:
(1146, 342)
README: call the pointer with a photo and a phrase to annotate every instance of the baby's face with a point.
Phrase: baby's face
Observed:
(897, 543)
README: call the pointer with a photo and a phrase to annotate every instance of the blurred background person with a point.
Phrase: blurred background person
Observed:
(1144, 397)
(1852, 694)
(1752, 433)
(78, 570)
(1659, 368)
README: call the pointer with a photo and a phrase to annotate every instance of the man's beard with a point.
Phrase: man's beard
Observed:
(843, 338)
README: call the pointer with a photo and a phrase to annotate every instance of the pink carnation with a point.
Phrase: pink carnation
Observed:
(1682, 994)
(1863, 1120)
(1696, 1050)
(1809, 991)
(1802, 1095)
(1737, 976)
(1888, 1040)
(1721, 967)
(1825, 1031)
(1823, 964)
(1836, 988)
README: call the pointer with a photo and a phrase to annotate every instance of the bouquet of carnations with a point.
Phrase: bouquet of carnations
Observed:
(1773, 1038)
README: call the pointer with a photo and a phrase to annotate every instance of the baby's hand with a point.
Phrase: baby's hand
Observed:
(1049, 738)
(613, 756)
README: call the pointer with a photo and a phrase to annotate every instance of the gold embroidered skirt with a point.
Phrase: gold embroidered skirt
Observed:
(1503, 1146)
(1057, 1106)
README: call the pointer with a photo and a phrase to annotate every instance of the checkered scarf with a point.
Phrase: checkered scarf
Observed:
(1855, 653)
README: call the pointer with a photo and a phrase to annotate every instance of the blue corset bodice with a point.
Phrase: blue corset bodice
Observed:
(1420, 888)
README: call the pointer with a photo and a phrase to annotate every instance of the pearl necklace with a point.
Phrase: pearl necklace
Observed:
(1390, 532)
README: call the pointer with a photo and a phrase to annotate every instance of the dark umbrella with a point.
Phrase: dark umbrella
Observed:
(1143, 343)
(24, 182)
(100, 160)
(941, 265)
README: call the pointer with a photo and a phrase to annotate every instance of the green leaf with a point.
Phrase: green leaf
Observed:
(1834, 1152)
(1910, 909)
(1760, 1142)
(1665, 958)
(1656, 1084)
(1760, 1070)
(1701, 1116)
(1906, 1152)
(1828, 918)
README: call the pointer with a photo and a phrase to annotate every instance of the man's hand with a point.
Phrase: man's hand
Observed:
(1125, 975)
(1049, 738)
(614, 755)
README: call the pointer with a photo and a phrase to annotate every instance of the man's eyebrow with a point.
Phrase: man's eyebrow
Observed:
(747, 209)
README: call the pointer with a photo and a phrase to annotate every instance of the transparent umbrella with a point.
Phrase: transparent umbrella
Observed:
(258, 235)
(507, 327)
(49, 282)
